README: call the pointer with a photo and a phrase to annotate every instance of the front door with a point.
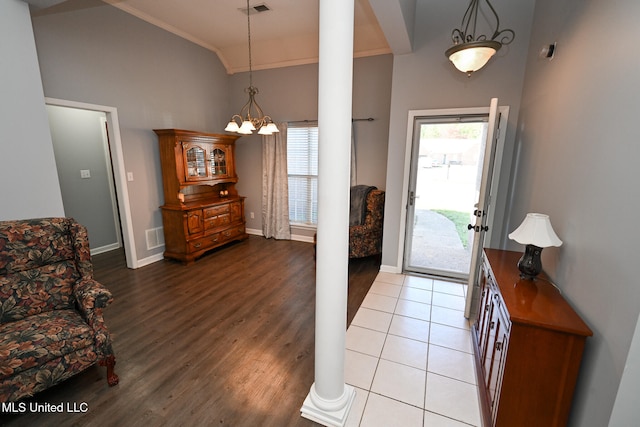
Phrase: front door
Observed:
(451, 163)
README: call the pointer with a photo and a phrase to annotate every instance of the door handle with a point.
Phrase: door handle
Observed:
(477, 228)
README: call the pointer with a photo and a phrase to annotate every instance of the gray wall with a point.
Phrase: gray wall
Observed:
(101, 55)
(78, 144)
(425, 79)
(29, 184)
(578, 157)
(290, 94)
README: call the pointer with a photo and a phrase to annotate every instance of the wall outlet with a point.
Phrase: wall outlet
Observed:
(85, 173)
(252, 215)
(129, 176)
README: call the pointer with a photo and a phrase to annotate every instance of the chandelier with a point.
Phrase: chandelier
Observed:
(251, 116)
(470, 52)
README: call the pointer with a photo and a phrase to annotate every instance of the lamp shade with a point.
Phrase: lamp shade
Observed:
(536, 230)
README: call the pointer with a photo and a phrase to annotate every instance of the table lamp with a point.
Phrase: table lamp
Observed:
(536, 233)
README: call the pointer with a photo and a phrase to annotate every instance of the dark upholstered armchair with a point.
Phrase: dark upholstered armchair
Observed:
(365, 238)
(51, 324)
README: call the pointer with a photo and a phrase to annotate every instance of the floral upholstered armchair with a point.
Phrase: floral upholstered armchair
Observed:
(51, 324)
(366, 221)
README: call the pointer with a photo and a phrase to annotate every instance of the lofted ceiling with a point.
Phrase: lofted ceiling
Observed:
(284, 35)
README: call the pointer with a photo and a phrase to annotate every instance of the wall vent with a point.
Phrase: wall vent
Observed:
(155, 238)
(256, 8)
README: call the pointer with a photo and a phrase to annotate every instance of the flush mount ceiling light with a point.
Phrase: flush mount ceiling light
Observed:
(471, 51)
(251, 116)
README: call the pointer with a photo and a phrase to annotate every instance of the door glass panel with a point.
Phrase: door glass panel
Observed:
(196, 167)
(447, 181)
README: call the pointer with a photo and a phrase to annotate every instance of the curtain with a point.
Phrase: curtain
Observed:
(275, 185)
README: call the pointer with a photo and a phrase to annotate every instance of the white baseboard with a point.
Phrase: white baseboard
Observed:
(149, 260)
(296, 237)
(254, 231)
(390, 269)
(301, 238)
(106, 248)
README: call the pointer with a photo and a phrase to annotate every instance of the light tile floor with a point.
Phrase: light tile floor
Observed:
(409, 356)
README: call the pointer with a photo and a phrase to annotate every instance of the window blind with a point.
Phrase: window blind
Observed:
(302, 171)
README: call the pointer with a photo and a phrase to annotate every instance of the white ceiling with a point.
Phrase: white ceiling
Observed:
(285, 35)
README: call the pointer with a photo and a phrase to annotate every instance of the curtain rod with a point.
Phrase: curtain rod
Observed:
(368, 119)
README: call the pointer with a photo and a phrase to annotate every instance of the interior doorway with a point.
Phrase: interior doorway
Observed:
(119, 211)
(448, 169)
(83, 161)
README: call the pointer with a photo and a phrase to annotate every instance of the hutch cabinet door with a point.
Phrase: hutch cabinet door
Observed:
(195, 222)
(195, 165)
(219, 161)
(236, 211)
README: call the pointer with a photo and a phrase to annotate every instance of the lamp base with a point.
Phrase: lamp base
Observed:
(530, 265)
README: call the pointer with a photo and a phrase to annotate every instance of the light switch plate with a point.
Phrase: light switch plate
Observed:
(85, 173)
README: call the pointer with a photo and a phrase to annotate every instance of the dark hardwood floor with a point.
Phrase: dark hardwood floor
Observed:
(227, 341)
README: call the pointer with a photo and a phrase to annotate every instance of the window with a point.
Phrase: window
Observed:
(302, 169)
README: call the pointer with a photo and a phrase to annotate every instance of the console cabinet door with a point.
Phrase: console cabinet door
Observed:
(484, 313)
(498, 357)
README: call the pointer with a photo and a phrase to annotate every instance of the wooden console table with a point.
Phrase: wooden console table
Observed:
(528, 343)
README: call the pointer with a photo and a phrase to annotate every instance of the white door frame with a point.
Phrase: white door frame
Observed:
(120, 175)
(504, 111)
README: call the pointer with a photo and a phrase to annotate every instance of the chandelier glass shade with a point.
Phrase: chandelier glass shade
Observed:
(472, 51)
(251, 116)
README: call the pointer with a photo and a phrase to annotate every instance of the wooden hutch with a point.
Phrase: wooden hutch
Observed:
(202, 209)
(528, 344)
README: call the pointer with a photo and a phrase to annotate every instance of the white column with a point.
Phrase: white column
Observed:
(330, 399)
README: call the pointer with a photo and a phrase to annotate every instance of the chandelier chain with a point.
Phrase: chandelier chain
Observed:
(249, 38)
